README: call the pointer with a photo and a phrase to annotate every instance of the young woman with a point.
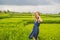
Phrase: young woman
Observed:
(35, 30)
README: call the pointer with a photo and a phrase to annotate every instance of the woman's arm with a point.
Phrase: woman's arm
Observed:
(39, 19)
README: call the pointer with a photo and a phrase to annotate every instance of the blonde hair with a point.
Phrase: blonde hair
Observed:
(36, 13)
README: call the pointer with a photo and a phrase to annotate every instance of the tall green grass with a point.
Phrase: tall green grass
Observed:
(15, 26)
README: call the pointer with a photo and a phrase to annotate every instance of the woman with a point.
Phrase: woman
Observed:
(35, 31)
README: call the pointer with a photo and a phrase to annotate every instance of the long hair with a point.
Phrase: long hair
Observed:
(37, 14)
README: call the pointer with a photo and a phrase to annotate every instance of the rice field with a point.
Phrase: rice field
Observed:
(18, 26)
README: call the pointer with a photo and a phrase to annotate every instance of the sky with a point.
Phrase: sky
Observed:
(29, 2)
(44, 6)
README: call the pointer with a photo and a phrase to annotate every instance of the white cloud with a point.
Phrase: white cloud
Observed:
(52, 7)
(41, 8)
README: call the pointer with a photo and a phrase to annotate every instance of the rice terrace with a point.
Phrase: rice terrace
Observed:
(17, 26)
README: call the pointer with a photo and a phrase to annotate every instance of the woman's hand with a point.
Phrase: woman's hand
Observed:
(40, 20)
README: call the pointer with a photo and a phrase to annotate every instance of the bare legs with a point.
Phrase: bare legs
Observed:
(37, 38)
(34, 38)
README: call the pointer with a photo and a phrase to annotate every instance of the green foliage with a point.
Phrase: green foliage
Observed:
(18, 26)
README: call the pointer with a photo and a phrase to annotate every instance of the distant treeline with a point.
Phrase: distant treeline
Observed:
(18, 12)
(47, 18)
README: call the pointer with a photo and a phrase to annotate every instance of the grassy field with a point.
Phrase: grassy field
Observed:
(18, 26)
